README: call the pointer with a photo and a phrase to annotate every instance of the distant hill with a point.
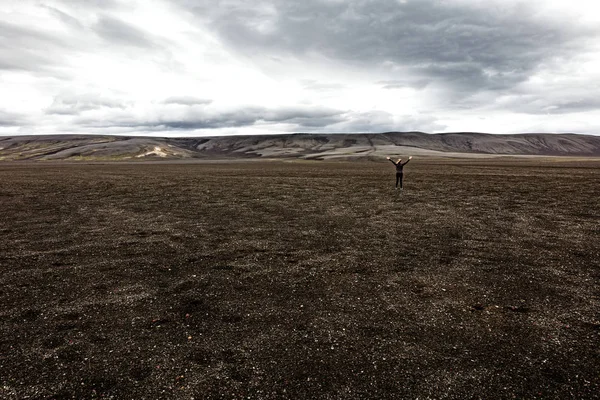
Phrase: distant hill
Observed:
(303, 146)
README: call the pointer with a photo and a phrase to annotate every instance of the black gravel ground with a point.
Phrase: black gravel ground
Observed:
(300, 280)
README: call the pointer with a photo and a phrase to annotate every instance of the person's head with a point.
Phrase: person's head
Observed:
(399, 159)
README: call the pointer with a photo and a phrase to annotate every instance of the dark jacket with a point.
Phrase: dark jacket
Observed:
(399, 165)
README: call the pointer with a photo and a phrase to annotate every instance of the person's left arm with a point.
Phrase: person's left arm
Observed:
(409, 158)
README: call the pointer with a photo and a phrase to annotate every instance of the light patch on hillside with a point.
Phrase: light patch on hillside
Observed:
(158, 151)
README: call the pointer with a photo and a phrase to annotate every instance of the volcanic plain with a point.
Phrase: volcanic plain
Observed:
(300, 280)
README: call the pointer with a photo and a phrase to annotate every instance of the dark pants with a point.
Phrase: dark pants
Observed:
(399, 179)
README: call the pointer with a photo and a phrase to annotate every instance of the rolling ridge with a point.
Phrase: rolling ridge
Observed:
(302, 146)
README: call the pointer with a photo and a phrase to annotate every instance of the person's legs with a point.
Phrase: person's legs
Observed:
(400, 175)
(398, 178)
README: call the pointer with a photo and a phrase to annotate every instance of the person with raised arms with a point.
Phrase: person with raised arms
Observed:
(399, 167)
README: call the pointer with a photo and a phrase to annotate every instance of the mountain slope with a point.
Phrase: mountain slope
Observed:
(306, 146)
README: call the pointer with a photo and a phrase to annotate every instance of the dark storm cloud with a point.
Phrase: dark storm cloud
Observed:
(199, 118)
(186, 100)
(485, 46)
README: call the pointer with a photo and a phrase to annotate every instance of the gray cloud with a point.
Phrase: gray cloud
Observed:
(311, 84)
(297, 119)
(581, 105)
(11, 119)
(71, 104)
(94, 6)
(404, 83)
(28, 49)
(381, 121)
(186, 100)
(64, 17)
(118, 31)
(47, 52)
(470, 47)
(201, 118)
(563, 103)
(97, 4)
(470, 60)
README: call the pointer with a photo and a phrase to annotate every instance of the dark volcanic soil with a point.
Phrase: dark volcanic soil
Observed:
(300, 280)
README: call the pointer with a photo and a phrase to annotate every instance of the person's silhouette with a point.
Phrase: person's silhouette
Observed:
(399, 167)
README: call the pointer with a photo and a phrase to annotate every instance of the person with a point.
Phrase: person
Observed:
(399, 166)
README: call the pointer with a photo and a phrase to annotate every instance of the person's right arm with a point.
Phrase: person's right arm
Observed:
(390, 160)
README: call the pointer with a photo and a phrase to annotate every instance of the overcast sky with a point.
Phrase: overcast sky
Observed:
(212, 67)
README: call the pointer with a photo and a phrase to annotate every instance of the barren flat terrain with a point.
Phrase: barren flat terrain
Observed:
(300, 280)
